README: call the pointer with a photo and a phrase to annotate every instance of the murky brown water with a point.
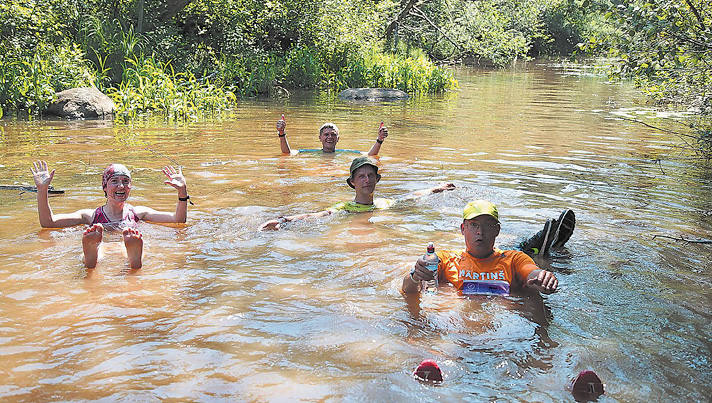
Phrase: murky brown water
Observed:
(223, 313)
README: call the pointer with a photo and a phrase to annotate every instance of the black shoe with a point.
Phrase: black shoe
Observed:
(563, 228)
(541, 241)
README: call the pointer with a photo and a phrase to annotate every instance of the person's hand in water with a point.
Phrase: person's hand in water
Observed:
(41, 174)
(543, 281)
(437, 189)
(443, 187)
(281, 126)
(175, 178)
(273, 225)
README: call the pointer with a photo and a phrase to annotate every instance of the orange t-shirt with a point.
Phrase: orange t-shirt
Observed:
(492, 275)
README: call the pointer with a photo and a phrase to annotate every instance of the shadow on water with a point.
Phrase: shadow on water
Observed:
(221, 312)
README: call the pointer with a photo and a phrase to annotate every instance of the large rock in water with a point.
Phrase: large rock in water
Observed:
(373, 94)
(82, 103)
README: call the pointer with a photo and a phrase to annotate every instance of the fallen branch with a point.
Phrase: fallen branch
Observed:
(164, 156)
(51, 190)
(653, 127)
(700, 20)
(681, 239)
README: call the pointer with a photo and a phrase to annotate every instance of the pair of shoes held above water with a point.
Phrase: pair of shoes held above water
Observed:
(554, 234)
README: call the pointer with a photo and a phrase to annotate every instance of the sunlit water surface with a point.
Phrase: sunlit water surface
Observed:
(221, 312)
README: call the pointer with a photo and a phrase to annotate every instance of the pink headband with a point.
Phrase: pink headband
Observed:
(114, 170)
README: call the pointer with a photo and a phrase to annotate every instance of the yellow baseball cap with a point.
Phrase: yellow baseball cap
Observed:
(479, 207)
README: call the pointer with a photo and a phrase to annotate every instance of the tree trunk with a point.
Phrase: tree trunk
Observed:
(139, 29)
(172, 8)
(402, 14)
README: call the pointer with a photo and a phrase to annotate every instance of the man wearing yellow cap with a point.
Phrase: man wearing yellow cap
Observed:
(481, 268)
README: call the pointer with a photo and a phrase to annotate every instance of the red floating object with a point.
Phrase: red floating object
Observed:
(428, 371)
(587, 385)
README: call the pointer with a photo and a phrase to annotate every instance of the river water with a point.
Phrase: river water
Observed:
(313, 312)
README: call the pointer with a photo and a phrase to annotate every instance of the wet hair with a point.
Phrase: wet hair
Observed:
(328, 125)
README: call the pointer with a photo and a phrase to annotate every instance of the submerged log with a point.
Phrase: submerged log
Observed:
(24, 188)
(373, 94)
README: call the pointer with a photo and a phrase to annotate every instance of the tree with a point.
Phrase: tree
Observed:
(667, 47)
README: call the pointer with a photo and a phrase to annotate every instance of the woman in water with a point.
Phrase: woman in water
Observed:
(115, 214)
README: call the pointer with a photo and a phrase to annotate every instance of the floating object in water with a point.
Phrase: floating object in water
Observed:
(428, 371)
(51, 190)
(214, 163)
(587, 385)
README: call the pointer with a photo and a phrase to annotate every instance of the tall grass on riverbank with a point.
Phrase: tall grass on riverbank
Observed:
(248, 76)
(307, 68)
(150, 86)
(29, 82)
(413, 74)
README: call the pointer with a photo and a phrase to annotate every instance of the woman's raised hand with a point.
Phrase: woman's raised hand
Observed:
(41, 174)
(175, 178)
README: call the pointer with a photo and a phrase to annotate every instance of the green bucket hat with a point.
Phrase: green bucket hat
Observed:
(358, 163)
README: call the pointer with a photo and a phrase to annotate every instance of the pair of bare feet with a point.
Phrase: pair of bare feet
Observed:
(91, 241)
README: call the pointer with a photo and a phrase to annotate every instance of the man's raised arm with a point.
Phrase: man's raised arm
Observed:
(283, 144)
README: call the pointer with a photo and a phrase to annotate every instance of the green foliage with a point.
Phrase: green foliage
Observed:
(30, 82)
(36, 59)
(497, 32)
(702, 130)
(251, 47)
(414, 74)
(107, 45)
(248, 76)
(493, 30)
(302, 68)
(148, 86)
(667, 47)
(30, 24)
(567, 23)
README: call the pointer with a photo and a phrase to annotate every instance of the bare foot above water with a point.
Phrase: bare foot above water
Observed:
(133, 241)
(91, 239)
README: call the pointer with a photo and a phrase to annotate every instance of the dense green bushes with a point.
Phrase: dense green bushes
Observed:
(147, 85)
(169, 48)
(30, 82)
(315, 44)
(667, 46)
(408, 73)
(36, 59)
(304, 68)
(190, 59)
(496, 32)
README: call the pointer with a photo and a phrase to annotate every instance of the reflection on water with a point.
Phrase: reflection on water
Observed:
(223, 313)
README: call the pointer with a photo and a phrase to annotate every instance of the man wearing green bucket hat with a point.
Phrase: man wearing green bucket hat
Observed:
(362, 179)
(481, 268)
